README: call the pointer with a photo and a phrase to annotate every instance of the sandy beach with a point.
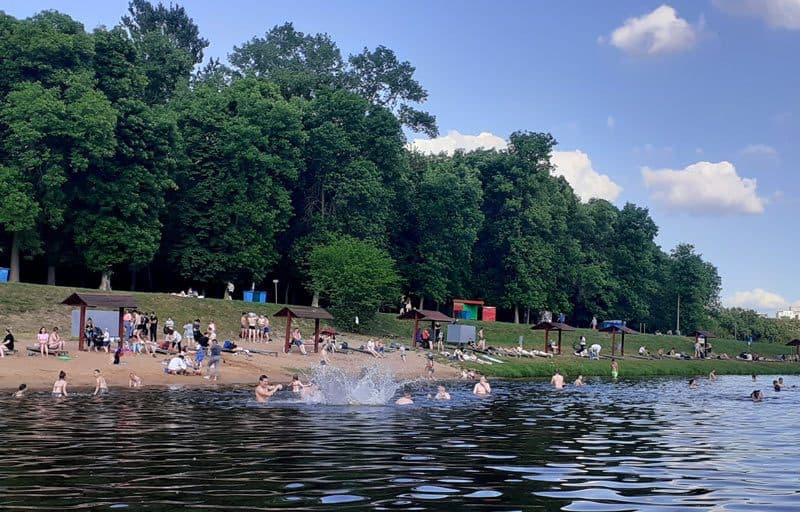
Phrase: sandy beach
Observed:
(39, 373)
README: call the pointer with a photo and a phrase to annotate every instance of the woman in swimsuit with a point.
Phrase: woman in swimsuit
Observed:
(60, 386)
(42, 338)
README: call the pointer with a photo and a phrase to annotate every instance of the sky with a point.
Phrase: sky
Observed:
(689, 108)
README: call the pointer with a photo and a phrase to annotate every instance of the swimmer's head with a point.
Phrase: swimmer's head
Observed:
(263, 379)
(23, 387)
(295, 378)
(440, 389)
(96, 371)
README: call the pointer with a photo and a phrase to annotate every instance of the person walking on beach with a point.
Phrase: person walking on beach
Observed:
(60, 386)
(614, 369)
(429, 368)
(264, 391)
(558, 380)
(482, 388)
(100, 386)
(594, 323)
(214, 361)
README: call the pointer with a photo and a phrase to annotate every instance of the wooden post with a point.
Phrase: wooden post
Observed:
(81, 335)
(613, 342)
(316, 335)
(287, 346)
(559, 342)
(546, 341)
(121, 327)
(622, 345)
(416, 330)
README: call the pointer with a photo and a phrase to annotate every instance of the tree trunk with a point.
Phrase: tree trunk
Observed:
(421, 302)
(527, 315)
(315, 300)
(51, 275)
(516, 314)
(133, 280)
(105, 281)
(286, 295)
(13, 274)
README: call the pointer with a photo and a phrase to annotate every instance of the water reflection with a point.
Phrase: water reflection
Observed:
(638, 445)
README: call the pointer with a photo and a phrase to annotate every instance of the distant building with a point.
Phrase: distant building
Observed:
(793, 313)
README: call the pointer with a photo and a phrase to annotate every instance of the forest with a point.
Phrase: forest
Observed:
(128, 159)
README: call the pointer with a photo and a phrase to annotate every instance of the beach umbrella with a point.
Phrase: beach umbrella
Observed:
(796, 344)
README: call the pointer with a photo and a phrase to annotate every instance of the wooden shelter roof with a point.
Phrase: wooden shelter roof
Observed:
(701, 334)
(101, 300)
(552, 326)
(619, 328)
(425, 314)
(793, 343)
(469, 301)
(305, 312)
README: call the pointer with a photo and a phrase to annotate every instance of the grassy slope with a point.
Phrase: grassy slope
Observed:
(25, 307)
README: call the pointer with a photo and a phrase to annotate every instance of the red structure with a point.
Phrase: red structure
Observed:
(306, 312)
(118, 301)
(489, 313)
(552, 326)
(423, 314)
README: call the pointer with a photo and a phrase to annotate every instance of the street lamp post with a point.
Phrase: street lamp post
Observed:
(275, 282)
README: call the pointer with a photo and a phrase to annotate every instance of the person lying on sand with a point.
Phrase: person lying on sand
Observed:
(405, 399)
(482, 388)
(264, 391)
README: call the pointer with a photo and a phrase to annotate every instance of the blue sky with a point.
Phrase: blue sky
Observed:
(623, 85)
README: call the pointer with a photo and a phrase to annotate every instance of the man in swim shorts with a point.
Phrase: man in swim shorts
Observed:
(614, 369)
(264, 391)
(557, 380)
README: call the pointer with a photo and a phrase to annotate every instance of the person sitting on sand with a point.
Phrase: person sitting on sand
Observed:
(371, 348)
(100, 386)
(148, 344)
(558, 380)
(55, 342)
(8, 343)
(757, 395)
(134, 381)
(643, 351)
(482, 388)
(297, 341)
(441, 394)
(60, 386)
(660, 353)
(581, 351)
(693, 384)
(712, 375)
(264, 391)
(579, 382)
(20, 393)
(297, 384)
(177, 365)
(405, 399)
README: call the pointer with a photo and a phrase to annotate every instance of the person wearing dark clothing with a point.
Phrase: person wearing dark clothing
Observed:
(8, 341)
(153, 327)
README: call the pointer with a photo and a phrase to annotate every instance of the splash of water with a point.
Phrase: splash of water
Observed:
(374, 385)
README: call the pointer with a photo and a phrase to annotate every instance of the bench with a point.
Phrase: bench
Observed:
(34, 351)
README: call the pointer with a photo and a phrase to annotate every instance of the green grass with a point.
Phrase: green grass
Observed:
(25, 307)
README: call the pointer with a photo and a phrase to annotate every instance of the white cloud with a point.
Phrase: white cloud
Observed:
(756, 298)
(760, 150)
(587, 183)
(611, 122)
(455, 140)
(776, 13)
(574, 166)
(704, 188)
(655, 33)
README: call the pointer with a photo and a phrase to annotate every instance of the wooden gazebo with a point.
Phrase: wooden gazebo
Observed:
(796, 344)
(552, 326)
(702, 334)
(423, 314)
(623, 330)
(305, 312)
(119, 301)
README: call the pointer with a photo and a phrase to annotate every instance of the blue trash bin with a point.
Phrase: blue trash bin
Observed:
(248, 296)
(262, 297)
(3, 275)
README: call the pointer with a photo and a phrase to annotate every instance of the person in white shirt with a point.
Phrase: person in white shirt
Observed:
(177, 365)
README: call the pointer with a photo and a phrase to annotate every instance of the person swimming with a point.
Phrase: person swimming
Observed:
(693, 384)
(442, 394)
(557, 381)
(753, 375)
(757, 395)
(482, 388)
(100, 387)
(579, 381)
(264, 391)
(20, 393)
(776, 385)
(405, 399)
(60, 386)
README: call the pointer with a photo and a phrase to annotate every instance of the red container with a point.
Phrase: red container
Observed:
(489, 314)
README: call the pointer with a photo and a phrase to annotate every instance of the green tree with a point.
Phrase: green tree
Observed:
(697, 284)
(354, 278)
(243, 152)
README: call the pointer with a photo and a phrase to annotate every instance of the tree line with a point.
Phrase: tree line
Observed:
(125, 152)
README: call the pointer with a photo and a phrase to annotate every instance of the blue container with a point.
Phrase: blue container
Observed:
(248, 296)
(262, 297)
(3, 275)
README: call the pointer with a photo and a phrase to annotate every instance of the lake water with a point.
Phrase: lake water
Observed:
(635, 445)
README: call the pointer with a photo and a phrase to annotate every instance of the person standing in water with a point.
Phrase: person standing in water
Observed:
(614, 369)
(134, 381)
(60, 386)
(482, 388)
(100, 386)
(264, 391)
(579, 381)
(405, 399)
(442, 394)
(20, 393)
(297, 385)
(712, 375)
(557, 380)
